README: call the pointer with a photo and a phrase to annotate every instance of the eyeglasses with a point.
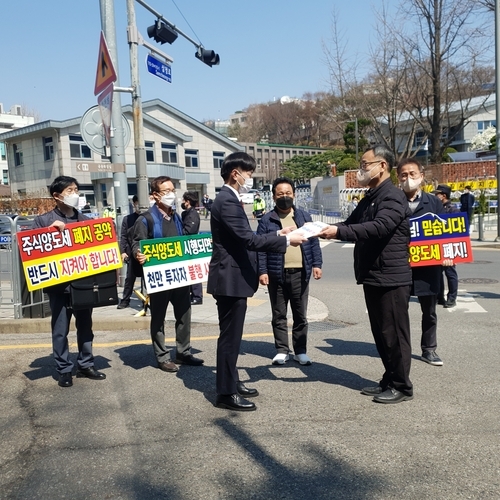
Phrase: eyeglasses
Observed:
(166, 191)
(364, 164)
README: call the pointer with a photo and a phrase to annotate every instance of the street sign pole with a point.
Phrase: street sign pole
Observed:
(140, 152)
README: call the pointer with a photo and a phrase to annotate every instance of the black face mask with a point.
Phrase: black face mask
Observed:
(183, 206)
(284, 203)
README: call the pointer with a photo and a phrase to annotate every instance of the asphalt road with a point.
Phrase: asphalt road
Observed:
(146, 434)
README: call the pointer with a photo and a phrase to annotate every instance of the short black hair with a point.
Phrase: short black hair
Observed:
(237, 160)
(283, 180)
(59, 184)
(192, 197)
(410, 161)
(135, 198)
(158, 181)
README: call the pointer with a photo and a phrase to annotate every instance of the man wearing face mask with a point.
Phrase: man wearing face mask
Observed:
(64, 190)
(160, 221)
(287, 276)
(426, 279)
(233, 275)
(381, 232)
(126, 249)
(191, 225)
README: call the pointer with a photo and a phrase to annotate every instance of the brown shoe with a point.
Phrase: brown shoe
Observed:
(168, 366)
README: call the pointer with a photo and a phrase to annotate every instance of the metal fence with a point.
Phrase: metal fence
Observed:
(15, 299)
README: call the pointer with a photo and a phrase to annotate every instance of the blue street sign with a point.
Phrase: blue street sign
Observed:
(159, 69)
(5, 239)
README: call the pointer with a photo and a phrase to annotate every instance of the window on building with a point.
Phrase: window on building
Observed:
(18, 154)
(218, 159)
(482, 126)
(149, 146)
(78, 148)
(48, 148)
(419, 138)
(191, 157)
(259, 163)
(168, 153)
(5, 177)
(3, 155)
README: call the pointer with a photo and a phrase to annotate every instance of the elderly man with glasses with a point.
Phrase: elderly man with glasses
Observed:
(380, 229)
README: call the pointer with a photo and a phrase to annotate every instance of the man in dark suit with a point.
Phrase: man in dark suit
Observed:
(233, 275)
(426, 279)
(126, 250)
(467, 203)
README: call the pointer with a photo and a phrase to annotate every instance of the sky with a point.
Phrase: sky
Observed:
(268, 49)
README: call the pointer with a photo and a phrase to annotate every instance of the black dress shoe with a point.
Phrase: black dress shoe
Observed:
(234, 402)
(91, 373)
(123, 305)
(168, 366)
(246, 392)
(196, 302)
(391, 396)
(188, 359)
(441, 302)
(65, 379)
(450, 303)
(372, 391)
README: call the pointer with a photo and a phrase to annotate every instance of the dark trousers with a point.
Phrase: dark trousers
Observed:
(60, 321)
(129, 282)
(428, 342)
(390, 324)
(158, 302)
(196, 291)
(232, 311)
(452, 280)
(294, 290)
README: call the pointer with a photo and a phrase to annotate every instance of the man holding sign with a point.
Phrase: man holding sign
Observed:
(64, 190)
(160, 221)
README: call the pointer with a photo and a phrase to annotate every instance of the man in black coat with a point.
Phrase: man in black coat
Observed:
(191, 225)
(233, 275)
(126, 249)
(467, 203)
(380, 229)
(426, 279)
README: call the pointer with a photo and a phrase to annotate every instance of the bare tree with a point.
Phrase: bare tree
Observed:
(444, 40)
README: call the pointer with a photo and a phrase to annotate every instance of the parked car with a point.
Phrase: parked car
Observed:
(248, 197)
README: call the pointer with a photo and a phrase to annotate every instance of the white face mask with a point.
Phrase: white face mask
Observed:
(71, 200)
(410, 185)
(365, 176)
(246, 186)
(168, 199)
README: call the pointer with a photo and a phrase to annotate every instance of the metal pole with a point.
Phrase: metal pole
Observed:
(117, 146)
(139, 149)
(356, 137)
(497, 103)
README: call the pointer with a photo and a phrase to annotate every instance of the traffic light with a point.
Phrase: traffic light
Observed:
(207, 56)
(162, 33)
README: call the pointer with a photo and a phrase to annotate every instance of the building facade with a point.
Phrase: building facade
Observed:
(176, 145)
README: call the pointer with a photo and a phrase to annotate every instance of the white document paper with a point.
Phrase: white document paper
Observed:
(311, 229)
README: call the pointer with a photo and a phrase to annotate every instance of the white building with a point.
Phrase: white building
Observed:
(11, 120)
(176, 145)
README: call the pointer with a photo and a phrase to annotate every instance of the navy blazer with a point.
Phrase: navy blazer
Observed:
(233, 267)
(427, 279)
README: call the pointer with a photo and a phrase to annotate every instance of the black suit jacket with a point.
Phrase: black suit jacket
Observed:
(233, 268)
(427, 279)
(127, 223)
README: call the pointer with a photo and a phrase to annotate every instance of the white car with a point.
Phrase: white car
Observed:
(248, 197)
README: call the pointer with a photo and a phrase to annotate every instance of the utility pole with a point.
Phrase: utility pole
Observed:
(497, 104)
(140, 152)
(117, 146)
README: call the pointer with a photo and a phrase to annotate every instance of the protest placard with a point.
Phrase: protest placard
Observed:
(435, 238)
(176, 261)
(51, 257)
